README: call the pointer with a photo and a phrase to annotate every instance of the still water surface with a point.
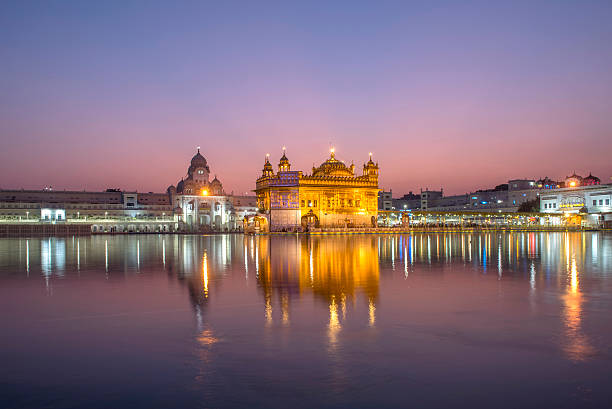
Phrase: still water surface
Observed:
(423, 320)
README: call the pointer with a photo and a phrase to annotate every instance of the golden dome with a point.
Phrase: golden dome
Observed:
(332, 167)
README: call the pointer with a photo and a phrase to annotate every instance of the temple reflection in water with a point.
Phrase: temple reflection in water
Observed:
(338, 272)
(334, 269)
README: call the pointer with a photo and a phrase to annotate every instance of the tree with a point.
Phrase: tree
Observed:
(530, 206)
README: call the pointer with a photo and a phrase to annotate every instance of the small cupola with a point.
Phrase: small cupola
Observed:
(284, 165)
(267, 169)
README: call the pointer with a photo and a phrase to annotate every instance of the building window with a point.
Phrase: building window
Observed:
(607, 202)
(309, 203)
(555, 205)
(302, 203)
(594, 202)
(545, 205)
(315, 203)
(601, 202)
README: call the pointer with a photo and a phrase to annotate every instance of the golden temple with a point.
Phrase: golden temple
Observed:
(331, 196)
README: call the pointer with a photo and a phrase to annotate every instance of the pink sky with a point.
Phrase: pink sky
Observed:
(459, 97)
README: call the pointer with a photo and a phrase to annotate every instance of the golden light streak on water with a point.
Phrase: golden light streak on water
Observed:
(576, 346)
(205, 274)
(285, 309)
(372, 312)
(206, 338)
(334, 325)
(268, 310)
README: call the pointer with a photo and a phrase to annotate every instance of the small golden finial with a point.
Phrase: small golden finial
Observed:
(332, 150)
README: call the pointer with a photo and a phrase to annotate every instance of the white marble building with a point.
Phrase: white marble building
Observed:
(201, 204)
(593, 201)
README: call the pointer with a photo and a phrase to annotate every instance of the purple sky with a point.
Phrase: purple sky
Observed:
(460, 96)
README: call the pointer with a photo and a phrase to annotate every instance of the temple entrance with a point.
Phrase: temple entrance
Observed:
(255, 224)
(310, 220)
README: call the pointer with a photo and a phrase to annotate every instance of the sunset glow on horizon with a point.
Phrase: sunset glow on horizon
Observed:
(459, 97)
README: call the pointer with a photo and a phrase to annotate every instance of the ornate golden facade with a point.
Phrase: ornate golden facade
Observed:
(331, 196)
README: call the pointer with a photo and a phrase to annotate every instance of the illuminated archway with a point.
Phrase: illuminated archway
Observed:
(310, 220)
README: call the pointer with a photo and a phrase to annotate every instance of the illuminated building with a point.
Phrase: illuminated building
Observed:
(112, 211)
(547, 183)
(331, 196)
(243, 207)
(195, 204)
(506, 197)
(573, 181)
(201, 204)
(592, 201)
(197, 180)
(576, 180)
(590, 180)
